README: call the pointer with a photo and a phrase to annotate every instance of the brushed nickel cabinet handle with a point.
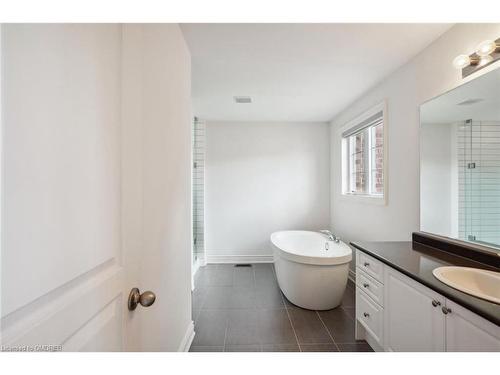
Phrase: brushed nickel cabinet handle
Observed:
(436, 303)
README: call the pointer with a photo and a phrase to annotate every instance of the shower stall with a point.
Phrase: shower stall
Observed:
(479, 181)
(198, 193)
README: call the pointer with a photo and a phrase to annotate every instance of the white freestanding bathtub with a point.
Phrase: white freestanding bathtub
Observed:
(311, 270)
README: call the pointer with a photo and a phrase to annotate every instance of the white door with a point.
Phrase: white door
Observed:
(94, 203)
(468, 332)
(156, 191)
(413, 317)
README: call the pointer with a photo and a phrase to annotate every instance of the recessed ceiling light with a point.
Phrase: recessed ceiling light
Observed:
(243, 99)
(470, 101)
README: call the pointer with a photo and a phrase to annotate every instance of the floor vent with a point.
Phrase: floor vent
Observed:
(243, 265)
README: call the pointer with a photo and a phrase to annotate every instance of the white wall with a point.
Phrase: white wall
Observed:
(156, 188)
(261, 178)
(427, 75)
(436, 176)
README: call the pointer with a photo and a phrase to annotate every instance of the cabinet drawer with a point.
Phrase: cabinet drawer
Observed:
(370, 315)
(370, 265)
(370, 286)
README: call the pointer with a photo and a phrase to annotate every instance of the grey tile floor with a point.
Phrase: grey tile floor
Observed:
(241, 309)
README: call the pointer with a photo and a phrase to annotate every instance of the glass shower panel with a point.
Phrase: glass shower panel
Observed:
(198, 191)
(479, 181)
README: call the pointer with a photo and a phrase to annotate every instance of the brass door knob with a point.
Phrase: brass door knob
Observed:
(145, 299)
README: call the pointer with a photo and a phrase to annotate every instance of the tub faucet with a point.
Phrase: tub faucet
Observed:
(330, 235)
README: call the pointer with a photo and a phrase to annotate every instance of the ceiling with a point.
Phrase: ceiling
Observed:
(481, 93)
(294, 72)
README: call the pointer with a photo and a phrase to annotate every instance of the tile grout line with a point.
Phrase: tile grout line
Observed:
(291, 323)
(219, 267)
(255, 307)
(226, 312)
(225, 334)
(233, 277)
(254, 277)
(227, 316)
(349, 316)
(327, 330)
(288, 313)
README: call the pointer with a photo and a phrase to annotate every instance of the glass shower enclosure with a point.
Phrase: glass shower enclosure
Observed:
(198, 193)
(479, 181)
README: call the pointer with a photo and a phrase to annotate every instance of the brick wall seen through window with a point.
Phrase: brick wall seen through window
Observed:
(365, 157)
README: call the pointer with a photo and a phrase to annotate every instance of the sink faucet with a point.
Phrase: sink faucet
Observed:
(330, 235)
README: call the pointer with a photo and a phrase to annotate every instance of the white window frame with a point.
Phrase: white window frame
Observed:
(380, 199)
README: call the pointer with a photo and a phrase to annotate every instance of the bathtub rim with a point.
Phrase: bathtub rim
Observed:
(312, 260)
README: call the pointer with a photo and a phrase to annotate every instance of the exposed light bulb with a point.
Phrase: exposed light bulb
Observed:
(461, 61)
(486, 48)
(485, 60)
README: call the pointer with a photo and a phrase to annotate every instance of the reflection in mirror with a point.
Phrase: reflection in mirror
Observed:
(460, 162)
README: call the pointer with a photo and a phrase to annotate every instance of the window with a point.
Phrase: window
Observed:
(363, 155)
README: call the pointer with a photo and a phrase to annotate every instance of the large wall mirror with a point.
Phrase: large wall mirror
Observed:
(460, 162)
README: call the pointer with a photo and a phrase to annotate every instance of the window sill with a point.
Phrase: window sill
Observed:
(368, 199)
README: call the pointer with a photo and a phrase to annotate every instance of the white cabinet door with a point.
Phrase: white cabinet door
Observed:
(468, 332)
(412, 322)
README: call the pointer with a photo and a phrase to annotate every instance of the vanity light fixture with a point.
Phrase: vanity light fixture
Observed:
(485, 60)
(486, 48)
(486, 53)
(461, 61)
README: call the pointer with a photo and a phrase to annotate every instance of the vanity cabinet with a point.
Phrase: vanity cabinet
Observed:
(369, 300)
(397, 313)
(413, 320)
(467, 332)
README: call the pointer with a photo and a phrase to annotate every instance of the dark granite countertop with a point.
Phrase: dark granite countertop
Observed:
(418, 261)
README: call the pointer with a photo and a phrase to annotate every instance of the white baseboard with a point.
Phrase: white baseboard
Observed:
(188, 338)
(239, 259)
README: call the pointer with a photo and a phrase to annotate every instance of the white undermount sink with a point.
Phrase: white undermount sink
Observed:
(477, 282)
